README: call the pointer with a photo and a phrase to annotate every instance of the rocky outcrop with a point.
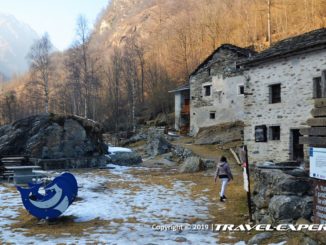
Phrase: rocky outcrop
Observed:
(52, 137)
(281, 196)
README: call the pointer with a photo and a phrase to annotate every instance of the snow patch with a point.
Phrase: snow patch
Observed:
(113, 149)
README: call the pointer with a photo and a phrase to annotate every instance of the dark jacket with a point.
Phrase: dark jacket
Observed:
(223, 168)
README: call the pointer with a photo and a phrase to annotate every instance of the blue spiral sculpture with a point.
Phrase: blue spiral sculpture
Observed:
(59, 195)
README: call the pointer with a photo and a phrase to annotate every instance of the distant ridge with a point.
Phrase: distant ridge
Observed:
(16, 38)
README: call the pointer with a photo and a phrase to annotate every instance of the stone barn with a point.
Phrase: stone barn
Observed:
(217, 91)
(281, 85)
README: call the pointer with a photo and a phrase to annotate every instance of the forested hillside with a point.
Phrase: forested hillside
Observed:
(120, 73)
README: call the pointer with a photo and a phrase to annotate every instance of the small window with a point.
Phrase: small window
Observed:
(274, 133)
(261, 133)
(212, 115)
(317, 90)
(209, 71)
(275, 93)
(241, 89)
(207, 90)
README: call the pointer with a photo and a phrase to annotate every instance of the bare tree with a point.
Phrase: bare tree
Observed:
(74, 81)
(82, 47)
(39, 57)
(113, 78)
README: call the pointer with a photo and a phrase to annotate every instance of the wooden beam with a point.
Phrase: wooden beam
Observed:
(318, 112)
(312, 140)
(316, 122)
(320, 102)
(313, 131)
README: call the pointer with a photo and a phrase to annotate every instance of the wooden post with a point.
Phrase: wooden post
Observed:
(246, 166)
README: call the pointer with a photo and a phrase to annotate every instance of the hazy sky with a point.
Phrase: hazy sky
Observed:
(57, 17)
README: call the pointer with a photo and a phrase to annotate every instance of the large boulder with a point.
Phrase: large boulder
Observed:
(220, 134)
(290, 207)
(293, 186)
(125, 158)
(192, 165)
(181, 152)
(52, 137)
(156, 143)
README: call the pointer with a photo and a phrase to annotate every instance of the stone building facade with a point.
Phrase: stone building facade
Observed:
(217, 89)
(281, 84)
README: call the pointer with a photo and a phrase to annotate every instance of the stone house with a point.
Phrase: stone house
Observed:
(182, 108)
(217, 89)
(281, 85)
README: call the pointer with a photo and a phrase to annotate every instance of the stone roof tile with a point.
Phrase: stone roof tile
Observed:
(302, 43)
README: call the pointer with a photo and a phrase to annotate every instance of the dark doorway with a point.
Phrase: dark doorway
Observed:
(297, 149)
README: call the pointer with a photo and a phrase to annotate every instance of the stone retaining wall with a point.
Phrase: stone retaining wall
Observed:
(281, 196)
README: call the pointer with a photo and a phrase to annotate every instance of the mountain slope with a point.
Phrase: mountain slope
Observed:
(16, 39)
(179, 34)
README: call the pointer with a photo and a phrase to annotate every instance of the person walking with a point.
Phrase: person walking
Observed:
(223, 172)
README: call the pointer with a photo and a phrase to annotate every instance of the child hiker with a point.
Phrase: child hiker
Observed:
(223, 171)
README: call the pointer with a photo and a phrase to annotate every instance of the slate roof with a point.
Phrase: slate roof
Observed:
(185, 86)
(314, 40)
(244, 52)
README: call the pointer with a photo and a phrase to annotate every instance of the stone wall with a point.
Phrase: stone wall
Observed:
(225, 99)
(295, 74)
(281, 197)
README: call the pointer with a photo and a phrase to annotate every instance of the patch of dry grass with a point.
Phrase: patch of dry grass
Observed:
(122, 185)
(58, 228)
(137, 144)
